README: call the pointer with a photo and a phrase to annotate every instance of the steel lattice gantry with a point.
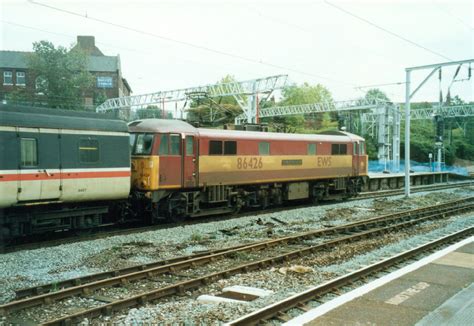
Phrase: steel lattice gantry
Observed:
(360, 104)
(454, 111)
(245, 93)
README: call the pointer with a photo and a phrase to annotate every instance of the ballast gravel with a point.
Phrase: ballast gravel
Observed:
(188, 310)
(35, 267)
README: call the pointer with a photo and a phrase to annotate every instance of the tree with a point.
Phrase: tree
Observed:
(376, 93)
(210, 111)
(62, 78)
(306, 94)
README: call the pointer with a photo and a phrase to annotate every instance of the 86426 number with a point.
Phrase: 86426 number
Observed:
(249, 163)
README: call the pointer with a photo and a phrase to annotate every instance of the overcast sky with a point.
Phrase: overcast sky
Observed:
(183, 43)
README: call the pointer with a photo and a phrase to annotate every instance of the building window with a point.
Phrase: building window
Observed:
(263, 148)
(215, 147)
(7, 78)
(311, 149)
(88, 150)
(104, 82)
(230, 148)
(20, 78)
(29, 152)
(175, 145)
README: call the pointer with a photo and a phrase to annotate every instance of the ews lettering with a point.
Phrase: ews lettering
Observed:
(324, 162)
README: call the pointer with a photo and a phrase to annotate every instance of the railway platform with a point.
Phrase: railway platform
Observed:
(436, 290)
(385, 181)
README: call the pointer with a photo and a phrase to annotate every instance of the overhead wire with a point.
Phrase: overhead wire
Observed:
(189, 44)
(387, 31)
(455, 17)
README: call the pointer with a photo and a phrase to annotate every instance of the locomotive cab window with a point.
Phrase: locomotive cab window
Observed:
(215, 147)
(163, 145)
(132, 139)
(230, 148)
(311, 149)
(175, 145)
(29, 152)
(339, 149)
(143, 144)
(88, 150)
(264, 148)
(362, 148)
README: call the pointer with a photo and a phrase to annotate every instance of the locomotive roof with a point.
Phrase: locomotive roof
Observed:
(334, 136)
(34, 117)
(161, 125)
(178, 126)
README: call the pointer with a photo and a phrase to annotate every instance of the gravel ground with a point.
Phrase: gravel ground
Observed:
(35, 267)
(189, 311)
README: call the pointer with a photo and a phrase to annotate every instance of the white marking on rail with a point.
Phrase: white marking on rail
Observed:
(407, 294)
(349, 296)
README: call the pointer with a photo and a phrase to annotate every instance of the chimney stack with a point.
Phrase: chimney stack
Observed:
(87, 44)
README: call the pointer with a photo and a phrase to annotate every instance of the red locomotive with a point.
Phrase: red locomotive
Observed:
(179, 170)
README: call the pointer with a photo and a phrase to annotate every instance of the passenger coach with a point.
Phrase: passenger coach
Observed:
(59, 169)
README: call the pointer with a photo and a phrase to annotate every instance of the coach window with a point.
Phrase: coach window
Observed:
(143, 144)
(29, 152)
(230, 148)
(263, 148)
(175, 145)
(88, 150)
(163, 145)
(215, 147)
(189, 145)
(311, 149)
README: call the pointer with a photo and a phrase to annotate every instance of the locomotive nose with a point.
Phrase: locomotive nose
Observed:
(145, 171)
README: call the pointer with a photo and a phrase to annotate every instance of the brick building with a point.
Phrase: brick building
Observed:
(106, 70)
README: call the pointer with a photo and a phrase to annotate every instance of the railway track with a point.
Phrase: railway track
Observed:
(278, 312)
(115, 232)
(293, 247)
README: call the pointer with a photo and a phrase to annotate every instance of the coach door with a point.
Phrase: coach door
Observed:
(29, 184)
(50, 160)
(190, 178)
(355, 158)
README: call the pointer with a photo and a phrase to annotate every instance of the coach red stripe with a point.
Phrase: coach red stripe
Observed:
(64, 175)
